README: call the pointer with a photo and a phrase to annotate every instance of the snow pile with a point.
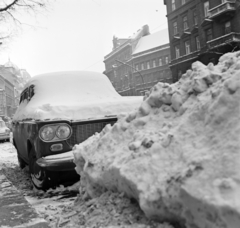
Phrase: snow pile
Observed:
(179, 153)
(74, 95)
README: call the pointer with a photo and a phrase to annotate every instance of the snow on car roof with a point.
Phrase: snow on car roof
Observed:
(74, 95)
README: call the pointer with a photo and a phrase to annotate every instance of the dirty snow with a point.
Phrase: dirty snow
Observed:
(74, 95)
(65, 207)
(178, 155)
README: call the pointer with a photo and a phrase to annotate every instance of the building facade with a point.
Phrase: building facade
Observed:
(118, 63)
(201, 30)
(151, 59)
(137, 63)
(12, 83)
(7, 103)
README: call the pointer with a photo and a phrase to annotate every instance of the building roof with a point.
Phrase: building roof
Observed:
(154, 40)
(132, 40)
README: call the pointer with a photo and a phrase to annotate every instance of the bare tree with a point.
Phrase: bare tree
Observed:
(11, 10)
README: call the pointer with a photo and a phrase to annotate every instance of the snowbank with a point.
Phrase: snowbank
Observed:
(74, 95)
(179, 153)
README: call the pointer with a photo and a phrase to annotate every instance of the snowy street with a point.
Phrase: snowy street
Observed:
(63, 207)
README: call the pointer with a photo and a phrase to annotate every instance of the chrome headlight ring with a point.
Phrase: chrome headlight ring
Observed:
(55, 132)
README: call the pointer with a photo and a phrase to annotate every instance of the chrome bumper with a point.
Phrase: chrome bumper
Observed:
(58, 162)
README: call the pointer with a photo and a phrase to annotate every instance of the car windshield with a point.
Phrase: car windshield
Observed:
(2, 124)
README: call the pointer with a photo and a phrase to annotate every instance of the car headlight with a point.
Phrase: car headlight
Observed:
(63, 132)
(47, 133)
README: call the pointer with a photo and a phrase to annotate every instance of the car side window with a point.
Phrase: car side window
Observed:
(26, 95)
(31, 92)
(21, 98)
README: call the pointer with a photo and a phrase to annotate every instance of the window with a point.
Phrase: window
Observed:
(197, 43)
(142, 66)
(187, 47)
(185, 23)
(136, 66)
(177, 52)
(154, 63)
(160, 62)
(173, 5)
(223, 1)
(148, 65)
(183, 2)
(175, 28)
(195, 19)
(209, 35)
(227, 27)
(166, 59)
(206, 9)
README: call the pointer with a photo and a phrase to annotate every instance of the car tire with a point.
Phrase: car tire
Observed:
(41, 179)
(37, 174)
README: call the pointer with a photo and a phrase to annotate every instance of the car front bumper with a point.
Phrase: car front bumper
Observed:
(4, 136)
(58, 162)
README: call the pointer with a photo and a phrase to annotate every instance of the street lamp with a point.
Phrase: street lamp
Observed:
(114, 66)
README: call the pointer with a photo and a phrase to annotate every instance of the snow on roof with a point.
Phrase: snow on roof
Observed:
(152, 41)
(74, 95)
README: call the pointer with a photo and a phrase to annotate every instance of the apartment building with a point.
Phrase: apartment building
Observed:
(137, 63)
(201, 30)
(7, 106)
(151, 59)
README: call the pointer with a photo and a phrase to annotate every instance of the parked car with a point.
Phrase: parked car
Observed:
(57, 111)
(4, 131)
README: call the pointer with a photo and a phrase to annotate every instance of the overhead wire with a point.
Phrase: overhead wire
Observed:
(93, 64)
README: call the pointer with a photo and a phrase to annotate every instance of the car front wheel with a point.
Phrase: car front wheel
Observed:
(40, 178)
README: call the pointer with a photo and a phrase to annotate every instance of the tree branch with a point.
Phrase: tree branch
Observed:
(7, 7)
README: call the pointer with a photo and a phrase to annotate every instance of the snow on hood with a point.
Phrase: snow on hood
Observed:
(179, 153)
(74, 95)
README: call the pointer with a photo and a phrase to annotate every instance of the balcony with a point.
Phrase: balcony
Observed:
(184, 58)
(223, 40)
(226, 9)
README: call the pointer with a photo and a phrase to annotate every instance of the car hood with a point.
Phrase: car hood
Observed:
(79, 111)
(74, 95)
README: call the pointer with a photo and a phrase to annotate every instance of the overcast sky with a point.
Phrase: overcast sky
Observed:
(77, 34)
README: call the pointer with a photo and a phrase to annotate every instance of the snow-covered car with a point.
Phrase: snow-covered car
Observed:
(57, 111)
(4, 131)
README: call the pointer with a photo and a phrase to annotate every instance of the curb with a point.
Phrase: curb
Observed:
(15, 210)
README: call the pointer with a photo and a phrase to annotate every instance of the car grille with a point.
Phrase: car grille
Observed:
(84, 131)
